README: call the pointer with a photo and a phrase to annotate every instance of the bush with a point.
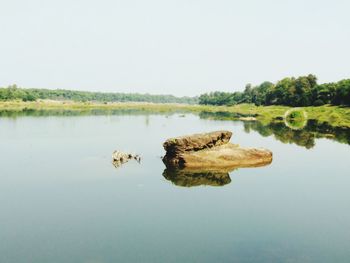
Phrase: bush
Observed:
(295, 115)
(318, 102)
(29, 97)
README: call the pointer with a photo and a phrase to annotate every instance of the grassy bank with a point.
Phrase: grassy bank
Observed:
(334, 115)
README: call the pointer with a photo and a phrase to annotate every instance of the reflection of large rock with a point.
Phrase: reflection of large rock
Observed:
(192, 177)
(212, 150)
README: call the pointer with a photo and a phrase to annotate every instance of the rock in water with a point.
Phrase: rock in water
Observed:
(212, 150)
(118, 158)
(196, 142)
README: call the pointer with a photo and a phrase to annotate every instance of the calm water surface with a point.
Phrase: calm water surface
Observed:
(62, 200)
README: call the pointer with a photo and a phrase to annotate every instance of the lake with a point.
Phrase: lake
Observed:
(62, 200)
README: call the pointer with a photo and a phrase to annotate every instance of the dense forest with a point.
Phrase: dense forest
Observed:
(301, 91)
(13, 93)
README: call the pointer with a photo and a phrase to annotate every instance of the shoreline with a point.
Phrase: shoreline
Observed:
(334, 115)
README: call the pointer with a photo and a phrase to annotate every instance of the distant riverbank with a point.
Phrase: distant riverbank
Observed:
(334, 115)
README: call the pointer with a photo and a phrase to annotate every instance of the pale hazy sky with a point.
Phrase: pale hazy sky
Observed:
(181, 47)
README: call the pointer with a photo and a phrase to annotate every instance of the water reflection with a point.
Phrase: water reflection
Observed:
(81, 112)
(304, 137)
(229, 116)
(91, 214)
(190, 177)
(295, 119)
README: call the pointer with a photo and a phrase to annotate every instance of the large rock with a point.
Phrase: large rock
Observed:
(228, 156)
(212, 151)
(196, 142)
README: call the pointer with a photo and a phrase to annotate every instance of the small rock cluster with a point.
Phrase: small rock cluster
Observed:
(118, 158)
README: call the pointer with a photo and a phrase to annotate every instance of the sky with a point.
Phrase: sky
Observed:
(180, 47)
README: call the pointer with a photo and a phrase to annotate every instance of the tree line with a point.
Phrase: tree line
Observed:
(301, 91)
(13, 92)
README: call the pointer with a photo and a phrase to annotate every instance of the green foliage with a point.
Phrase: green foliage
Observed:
(296, 121)
(342, 93)
(221, 98)
(295, 115)
(295, 92)
(318, 102)
(14, 93)
(334, 115)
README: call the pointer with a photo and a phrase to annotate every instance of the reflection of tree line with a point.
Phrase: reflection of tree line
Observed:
(304, 137)
(78, 112)
(222, 115)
